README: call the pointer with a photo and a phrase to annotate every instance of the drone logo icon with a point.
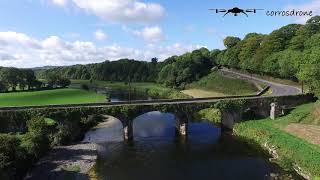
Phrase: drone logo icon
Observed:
(236, 11)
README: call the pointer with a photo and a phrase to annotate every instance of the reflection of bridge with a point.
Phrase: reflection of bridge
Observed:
(233, 109)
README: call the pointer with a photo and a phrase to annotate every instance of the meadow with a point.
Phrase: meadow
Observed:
(46, 97)
(217, 85)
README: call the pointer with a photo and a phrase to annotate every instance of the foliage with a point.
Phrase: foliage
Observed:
(230, 105)
(56, 80)
(151, 89)
(291, 52)
(291, 150)
(84, 87)
(14, 78)
(122, 70)
(186, 69)
(8, 148)
(211, 114)
(36, 141)
(230, 41)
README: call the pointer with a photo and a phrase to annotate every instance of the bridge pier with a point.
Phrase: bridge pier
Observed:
(275, 111)
(128, 131)
(181, 125)
(183, 128)
(228, 119)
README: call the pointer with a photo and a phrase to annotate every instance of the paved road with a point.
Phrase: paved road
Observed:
(277, 88)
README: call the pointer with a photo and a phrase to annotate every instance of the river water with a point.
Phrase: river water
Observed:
(158, 154)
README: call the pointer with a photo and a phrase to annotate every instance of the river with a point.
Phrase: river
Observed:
(158, 154)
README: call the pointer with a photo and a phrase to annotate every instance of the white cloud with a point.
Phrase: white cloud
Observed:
(122, 10)
(151, 34)
(61, 3)
(21, 50)
(99, 35)
(313, 6)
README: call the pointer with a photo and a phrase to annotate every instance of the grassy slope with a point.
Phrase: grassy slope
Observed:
(58, 96)
(220, 85)
(152, 88)
(291, 149)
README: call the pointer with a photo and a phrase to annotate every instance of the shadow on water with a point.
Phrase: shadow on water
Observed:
(157, 153)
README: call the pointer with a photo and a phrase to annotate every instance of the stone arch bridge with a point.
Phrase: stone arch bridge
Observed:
(233, 109)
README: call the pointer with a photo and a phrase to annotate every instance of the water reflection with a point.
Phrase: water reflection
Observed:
(122, 95)
(158, 154)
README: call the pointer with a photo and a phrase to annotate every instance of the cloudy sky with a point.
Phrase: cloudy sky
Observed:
(65, 32)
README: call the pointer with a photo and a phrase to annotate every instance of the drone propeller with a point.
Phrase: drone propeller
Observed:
(253, 10)
(218, 10)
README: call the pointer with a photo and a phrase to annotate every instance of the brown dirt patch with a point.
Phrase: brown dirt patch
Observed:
(311, 133)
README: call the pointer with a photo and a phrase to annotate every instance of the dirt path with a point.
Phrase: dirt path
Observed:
(311, 133)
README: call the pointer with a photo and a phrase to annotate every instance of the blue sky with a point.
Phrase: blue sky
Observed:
(65, 32)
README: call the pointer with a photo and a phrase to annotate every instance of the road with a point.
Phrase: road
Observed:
(277, 88)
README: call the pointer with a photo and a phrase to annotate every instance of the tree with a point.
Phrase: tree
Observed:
(63, 82)
(11, 77)
(249, 46)
(3, 87)
(186, 68)
(309, 70)
(154, 60)
(231, 41)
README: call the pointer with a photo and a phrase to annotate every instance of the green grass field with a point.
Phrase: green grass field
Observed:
(218, 84)
(291, 148)
(57, 96)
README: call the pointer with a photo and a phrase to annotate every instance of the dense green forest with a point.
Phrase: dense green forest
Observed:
(121, 70)
(291, 52)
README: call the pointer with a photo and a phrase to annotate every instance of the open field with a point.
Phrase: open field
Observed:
(46, 97)
(294, 148)
(199, 93)
(218, 85)
(153, 89)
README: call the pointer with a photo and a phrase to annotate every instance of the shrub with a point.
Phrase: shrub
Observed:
(85, 87)
(36, 141)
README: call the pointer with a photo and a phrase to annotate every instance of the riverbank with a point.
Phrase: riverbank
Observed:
(151, 89)
(290, 151)
(73, 161)
(66, 162)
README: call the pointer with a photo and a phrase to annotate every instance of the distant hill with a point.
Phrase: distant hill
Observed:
(44, 68)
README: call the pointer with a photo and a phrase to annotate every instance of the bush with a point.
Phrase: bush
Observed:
(8, 148)
(36, 141)
(84, 87)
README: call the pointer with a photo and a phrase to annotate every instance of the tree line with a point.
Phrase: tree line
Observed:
(291, 52)
(12, 79)
(121, 70)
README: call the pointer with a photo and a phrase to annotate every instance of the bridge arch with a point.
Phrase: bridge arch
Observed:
(154, 124)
